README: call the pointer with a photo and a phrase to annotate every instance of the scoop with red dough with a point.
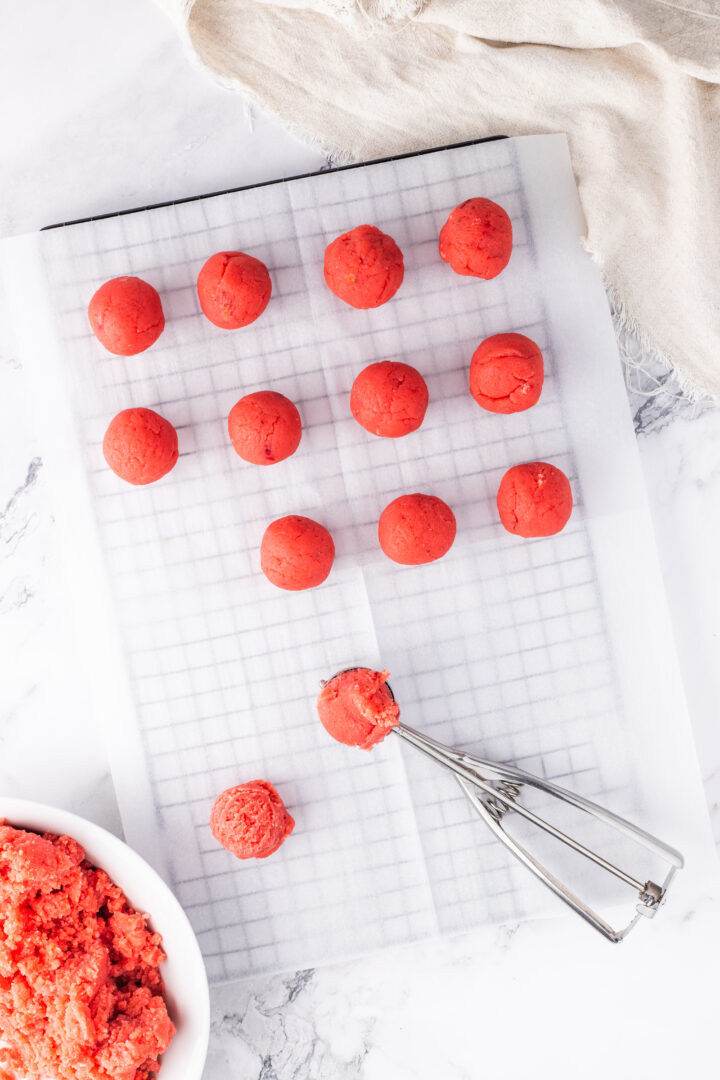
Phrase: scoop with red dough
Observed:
(364, 267)
(476, 239)
(357, 707)
(296, 553)
(140, 446)
(415, 529)
(534, 500)
(234, 289)
(506, 373)
(250, 820)
(126, 315)
(389, 399)
(264, 427)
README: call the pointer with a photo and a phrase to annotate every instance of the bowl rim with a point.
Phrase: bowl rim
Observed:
(105, 850)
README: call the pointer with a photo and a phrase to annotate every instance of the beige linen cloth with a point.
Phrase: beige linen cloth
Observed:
(633, 84)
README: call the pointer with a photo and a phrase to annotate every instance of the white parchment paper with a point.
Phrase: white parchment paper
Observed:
(554, 653)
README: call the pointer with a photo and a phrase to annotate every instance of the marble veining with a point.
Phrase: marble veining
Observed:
(655, 396)
(13, 522)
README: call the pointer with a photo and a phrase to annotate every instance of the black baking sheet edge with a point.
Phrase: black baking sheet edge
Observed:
(267, 183)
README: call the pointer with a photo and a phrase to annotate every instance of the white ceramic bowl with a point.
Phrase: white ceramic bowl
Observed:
(186, 985)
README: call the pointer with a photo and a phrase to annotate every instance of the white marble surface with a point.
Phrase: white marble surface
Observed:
(102, 111)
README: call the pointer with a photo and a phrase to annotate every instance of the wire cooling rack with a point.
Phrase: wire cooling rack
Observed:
(506, 645)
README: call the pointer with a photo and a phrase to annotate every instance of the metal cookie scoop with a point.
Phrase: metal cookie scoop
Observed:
(495, 790)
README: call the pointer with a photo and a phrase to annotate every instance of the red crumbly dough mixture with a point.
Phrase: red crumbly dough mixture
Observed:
(415, 529)
(296, 553)
(264, 427)
(389, 399)
(250, 820)
(364, 267)
(81, 995)
(357, 708)
(534, 500)
(506, 373)
(140, 446)
(233, 289)
(476, 239)
(126, 315)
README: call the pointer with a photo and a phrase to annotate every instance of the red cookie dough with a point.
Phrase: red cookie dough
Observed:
(140, 446)
(364, 267)
(296, 553)
(81, 994)
(126, 315)
(477, 239)
(389, 399)
(233, 289)
(357, 708)
(506, 373)
(264, 427)
(534, 499)
(250, 820)
(416, 529)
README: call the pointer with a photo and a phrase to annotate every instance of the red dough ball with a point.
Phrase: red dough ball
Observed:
(250, 820)
(364, 267)
(506, 373)
(534, 499)
(140, 446)
(357, 708)
(389, 399)
(126, 315)
(264, 427)
(416, 529)
(233, 289)
(296, 553)
(477, 239)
